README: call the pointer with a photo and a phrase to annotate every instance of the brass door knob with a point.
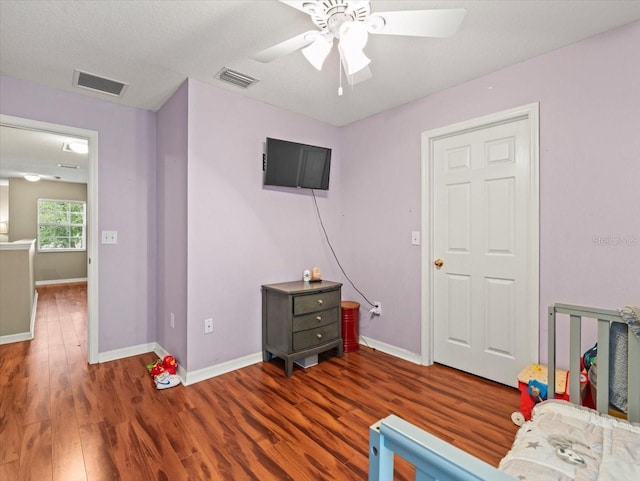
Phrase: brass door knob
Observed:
(438, 263)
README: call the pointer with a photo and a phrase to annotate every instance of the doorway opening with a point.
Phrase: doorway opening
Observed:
(92, 215)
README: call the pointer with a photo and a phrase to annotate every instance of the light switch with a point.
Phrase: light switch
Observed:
(415, 238)
(109, 236)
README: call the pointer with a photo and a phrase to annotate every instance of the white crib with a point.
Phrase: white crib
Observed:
(435, 459)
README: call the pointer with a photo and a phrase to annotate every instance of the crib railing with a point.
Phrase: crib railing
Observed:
(604, 317)
(433, 458)
(437, 460)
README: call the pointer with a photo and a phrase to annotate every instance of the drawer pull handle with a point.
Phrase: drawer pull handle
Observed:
(318, 318)
(320, 302)
(319, 336)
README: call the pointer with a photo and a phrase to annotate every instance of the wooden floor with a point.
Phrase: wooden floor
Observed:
(61, 419)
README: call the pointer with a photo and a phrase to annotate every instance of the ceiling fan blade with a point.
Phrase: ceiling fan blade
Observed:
(298, 4)
(417, 23)
(283, 48)
(360, 76)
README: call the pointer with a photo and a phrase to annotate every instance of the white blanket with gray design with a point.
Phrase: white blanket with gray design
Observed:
(565, 442)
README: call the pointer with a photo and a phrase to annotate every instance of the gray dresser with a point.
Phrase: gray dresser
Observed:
(300, 319)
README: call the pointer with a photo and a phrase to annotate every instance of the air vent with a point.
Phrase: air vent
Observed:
(235, 78)
(99, 84)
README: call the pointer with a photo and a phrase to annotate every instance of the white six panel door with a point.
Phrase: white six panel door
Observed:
(481, 233)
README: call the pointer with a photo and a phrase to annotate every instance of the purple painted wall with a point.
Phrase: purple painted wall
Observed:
(589, 99)
(240, 234)
(172, 149)
(126, 177)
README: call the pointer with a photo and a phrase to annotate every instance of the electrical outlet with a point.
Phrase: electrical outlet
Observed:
(377, 308)
(208, 326)
(109, 236)
(172, 320)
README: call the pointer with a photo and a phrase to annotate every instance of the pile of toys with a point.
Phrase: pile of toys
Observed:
(532, 384)
(163, 372)
(533, 387)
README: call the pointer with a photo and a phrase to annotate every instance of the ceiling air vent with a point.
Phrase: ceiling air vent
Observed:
(99, 84)
(235, 78)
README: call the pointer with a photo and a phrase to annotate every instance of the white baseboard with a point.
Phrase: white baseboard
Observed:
(192, 377)
(392, 350)
(126, 352)
(61, 281)
(187, 377)
(21, 336)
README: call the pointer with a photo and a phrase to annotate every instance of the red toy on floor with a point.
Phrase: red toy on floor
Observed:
(163, 372)
(528, 380)
(530, 376)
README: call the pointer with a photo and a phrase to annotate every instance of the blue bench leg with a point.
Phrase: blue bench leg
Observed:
(380, 457)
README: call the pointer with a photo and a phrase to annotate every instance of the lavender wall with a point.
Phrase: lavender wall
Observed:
(240, 234)
(172, 146)
(126, 201)
(589, 169)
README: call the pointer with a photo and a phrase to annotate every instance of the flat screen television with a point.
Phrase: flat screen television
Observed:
(290, 164)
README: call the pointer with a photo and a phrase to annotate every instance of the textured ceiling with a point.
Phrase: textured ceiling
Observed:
(32, 152)
(155, 45)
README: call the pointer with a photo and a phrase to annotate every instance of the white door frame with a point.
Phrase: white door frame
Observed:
(93, 232)
(531, 112)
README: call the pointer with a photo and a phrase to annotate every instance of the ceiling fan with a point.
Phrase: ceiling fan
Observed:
(350, 22)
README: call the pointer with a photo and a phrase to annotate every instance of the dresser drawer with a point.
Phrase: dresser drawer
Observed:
(314, 319)
(314, 337)
(315, 302)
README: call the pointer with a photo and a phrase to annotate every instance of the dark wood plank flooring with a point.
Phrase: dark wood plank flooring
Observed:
(64, 420)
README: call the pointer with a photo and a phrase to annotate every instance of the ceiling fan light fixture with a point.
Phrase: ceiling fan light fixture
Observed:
(317, 52)
(353, 35)
(375, 23)
(353, 38)
(354, 60)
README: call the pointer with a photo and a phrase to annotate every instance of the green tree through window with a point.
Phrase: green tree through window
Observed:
(61, 225)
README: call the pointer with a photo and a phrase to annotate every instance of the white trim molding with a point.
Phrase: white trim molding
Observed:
(34, 311)
(391, 350)
(530, 112)
(54, 282)
(126, 352)
(20, 337)
(187, 377)
(192, 377)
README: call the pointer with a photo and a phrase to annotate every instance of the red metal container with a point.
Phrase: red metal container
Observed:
(350, 331)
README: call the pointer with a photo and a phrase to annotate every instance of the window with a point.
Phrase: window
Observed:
(61, 225)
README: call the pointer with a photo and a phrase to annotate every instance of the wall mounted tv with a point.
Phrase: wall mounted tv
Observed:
(290, 164)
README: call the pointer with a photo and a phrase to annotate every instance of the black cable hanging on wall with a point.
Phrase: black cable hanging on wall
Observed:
(315, 201)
